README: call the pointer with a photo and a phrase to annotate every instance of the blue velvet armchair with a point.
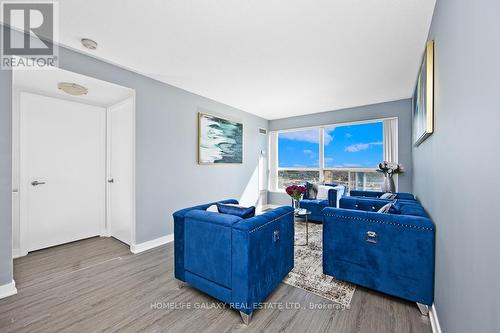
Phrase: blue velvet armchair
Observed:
(316, 206)
(389, 252)
(238, 261)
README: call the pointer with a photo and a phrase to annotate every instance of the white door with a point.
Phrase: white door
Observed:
(63, 170)
(120, 170)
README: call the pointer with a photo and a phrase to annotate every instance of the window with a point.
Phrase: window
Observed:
(352, 154)
(298, 157)
(355, 180)
(298, 149)
(354, 146)
(341, 154)
(296, 177)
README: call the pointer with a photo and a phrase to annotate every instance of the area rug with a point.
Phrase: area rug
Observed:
(308, 271)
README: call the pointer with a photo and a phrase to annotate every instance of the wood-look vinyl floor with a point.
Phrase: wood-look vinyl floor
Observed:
(97, 285)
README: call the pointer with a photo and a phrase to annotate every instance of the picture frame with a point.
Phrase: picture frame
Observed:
(220, 140)
(423, 98)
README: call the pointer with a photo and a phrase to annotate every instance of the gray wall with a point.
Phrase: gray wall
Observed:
(455, 169)
(400, 109)
(5, 177)
(167, 175)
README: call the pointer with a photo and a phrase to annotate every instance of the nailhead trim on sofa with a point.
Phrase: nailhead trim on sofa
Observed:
(379, 221)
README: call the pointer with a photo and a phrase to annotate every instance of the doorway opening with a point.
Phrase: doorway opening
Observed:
(73, 150)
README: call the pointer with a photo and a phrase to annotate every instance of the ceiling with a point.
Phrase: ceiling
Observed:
(45, 82)
(272, 58)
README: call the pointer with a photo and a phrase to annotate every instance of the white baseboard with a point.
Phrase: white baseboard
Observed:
(141, 247)
(17, 253)
(433, 317)
(8, 289)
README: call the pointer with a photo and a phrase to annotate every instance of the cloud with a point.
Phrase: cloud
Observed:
(347, 165)
(354, 148)
(308, 152)
(328, 138)
(351, 165)
(311, 136)
(308, 136)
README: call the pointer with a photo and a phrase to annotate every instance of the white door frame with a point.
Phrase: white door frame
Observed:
(108, 226)
(18, 136)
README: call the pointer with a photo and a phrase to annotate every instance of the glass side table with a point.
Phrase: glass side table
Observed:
(303, 214)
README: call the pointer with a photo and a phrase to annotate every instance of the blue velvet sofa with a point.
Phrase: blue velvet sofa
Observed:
(316, 206)
(238, 261)
(390, 252)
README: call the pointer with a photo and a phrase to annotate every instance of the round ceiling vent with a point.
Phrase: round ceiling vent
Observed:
(72, 88)
(89, 43)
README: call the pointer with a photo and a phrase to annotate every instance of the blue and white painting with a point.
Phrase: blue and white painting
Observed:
(220, 140)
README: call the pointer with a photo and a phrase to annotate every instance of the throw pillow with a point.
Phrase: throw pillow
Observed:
(323, 192)
(388, 196)
(231, 209)
(213, 209)
(385, 208)
(312, 190)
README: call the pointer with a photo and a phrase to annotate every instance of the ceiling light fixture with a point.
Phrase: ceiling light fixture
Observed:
(89, 43)
(72, 88)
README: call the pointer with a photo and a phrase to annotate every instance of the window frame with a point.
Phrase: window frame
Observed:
(273, 179)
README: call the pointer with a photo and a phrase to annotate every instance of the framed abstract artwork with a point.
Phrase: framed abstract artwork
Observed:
(220, 141)
(423, 98)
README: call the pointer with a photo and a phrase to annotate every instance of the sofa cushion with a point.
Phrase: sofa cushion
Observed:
(408, 208)
(243, 212)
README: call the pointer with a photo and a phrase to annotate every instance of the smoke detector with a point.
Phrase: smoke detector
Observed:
(72, 88)
(89, 43)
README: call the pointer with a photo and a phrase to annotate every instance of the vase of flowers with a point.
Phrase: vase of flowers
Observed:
(296, 192)
(389, 169)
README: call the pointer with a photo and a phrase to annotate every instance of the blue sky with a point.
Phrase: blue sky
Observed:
(345, 146)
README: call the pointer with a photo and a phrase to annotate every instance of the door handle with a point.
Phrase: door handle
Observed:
(36, 183)
(111, 180)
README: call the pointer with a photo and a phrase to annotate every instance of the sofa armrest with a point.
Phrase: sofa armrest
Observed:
(179, 235)
(262, 255)
(256, 222)
(334, 196)
(202, 216)
(180, 214)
